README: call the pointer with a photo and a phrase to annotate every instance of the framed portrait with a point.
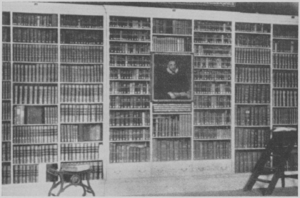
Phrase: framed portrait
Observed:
(172, 77)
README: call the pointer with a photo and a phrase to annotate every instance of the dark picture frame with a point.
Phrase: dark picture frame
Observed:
(172, 87)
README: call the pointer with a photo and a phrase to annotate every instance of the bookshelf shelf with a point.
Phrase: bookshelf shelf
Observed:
(81, 44)
(213, 32)
(39, 143)
(35, 124)
(131, 54)
(295, 53)
(212, 80)
(241, 149)
(131, 41)
(278, 69)
(125, 141)
(79, 28)
(81, 83)
(81, 122)
(32, 43)
(134, 80)
(35, 27)
(246, 32)
(217, 44)
(251, 83)
(295, 88)
(212, 94)
(284, 107)
(128, 28)
(129, 94)
(250, 47)
(173, 35)
(252, 104)
(128, 109)
(81, 103)
(34, 83)
(254, 126)
(285, 38)
(114, 127)
(85, 160)
(212, 139)
(214, 125)
(171, 137)
(213, 108)
(197, 68)
(260, 64)
(82, 63)
(221, 56)
(129, 67)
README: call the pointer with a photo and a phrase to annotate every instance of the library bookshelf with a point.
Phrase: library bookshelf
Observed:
(77, 88)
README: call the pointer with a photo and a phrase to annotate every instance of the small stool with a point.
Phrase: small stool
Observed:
(75, 174)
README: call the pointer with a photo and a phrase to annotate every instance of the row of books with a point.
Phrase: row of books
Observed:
(80, 151)
(204, 133)
(253, 27)
(252, 94)
(32, 154)
(81, 37)
(211, 50)
(212, 75)
(25, 173)
(212, 102)
(129, 118)
(129, 88)
(81, 93)
(129, 61)
(129, 102)
(6, 90)
(35, 53)
(285, 46)
(35, 72)
(6, 173)
(253, 40)
(129, 152)
(129, 48)
(213, 26)
(81, 113)
(212, 88)
(285, 61)
(6, 112)
(35, 94)
(129, 22)
(5, 18)
(129, 134)
(172, 125)
(171, 107)
(137, 74)
(285, 79)
(171, 149)
(5, 34)
(6, 154)
(81, 54)
(212, 117)
(96, 169)
(171, 44)
(6, 134)
(212, 150)
(172, 26)
(212, 63)
(285, 116)
(6, 52)
(81, 132)
(35, 134)
(253, 56)
(284, 31)
(285, 98)
(28, 19)
(252, 115)
(81, 73)
(35, 114)
(6, 71)
(252, 74)
(251, 137)
(80, 21)
(30, 35)
(292, 163)
(246, 160)
(212, 38)
(129, 35)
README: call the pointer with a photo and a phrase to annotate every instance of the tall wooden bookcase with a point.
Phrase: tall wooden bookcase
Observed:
(77, 83)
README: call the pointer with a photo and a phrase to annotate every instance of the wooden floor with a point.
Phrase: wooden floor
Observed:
(290, 191)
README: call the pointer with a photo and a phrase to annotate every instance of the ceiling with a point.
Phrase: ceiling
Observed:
(279, 8)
